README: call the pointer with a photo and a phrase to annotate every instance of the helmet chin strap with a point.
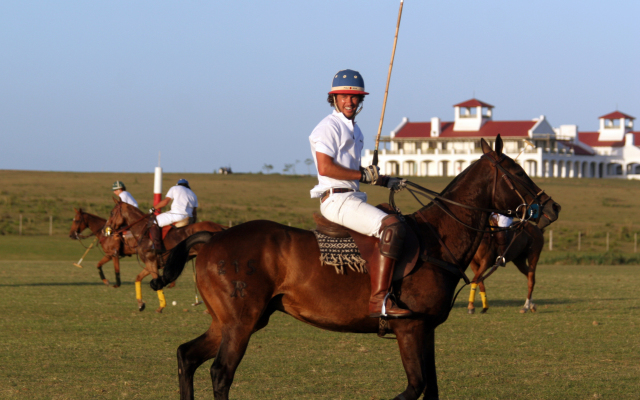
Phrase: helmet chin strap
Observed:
(335, 105)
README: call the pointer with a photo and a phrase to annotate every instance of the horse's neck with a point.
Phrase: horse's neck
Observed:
(473, 190)
(95, 223)
(135, 218)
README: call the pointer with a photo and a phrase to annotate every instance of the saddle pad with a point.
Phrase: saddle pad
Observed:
(340, 253)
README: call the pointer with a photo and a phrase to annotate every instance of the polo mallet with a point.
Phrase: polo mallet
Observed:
(526, 143)
(79, 263)
(195, 287)
(386, 91)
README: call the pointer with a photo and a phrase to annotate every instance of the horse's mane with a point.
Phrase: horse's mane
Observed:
(451, 186)
(81, 211)
(135, 210)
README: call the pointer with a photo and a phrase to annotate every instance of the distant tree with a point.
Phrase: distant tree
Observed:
(288, 167)
(308, 161)
(267, 168)
(294, 167)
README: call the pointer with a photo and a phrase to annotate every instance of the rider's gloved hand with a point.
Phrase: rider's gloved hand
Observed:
(152, 210)
(392, 183)
(370, 174)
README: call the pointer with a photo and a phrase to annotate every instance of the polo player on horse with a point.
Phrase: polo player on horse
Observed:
(336, 144)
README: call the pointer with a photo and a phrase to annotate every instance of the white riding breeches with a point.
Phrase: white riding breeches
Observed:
(168, 218)
(351, 210)
(503, 220)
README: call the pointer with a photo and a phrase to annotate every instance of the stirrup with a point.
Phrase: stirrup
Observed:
(500, 261)
(383, 310)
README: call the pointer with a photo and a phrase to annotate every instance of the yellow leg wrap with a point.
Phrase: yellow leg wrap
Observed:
(483, 296)
(472, 293)
(138, 291)
(163, 302)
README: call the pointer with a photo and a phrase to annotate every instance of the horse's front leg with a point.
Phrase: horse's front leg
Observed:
(141, 275)
(116, 268)
(530, 272)
(411, 340)
(430, 376)
(103, 261)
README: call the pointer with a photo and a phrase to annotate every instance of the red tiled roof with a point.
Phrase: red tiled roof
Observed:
(577, 149)
(591, 139)
(616, 115)
(473, 103)
(489, 130)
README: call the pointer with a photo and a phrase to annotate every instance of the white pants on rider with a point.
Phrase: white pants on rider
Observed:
(168, 218)
(503, 220)
(352, 211)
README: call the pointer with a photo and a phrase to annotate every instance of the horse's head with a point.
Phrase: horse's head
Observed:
(513, 189)
(78, 224)
(116, 218)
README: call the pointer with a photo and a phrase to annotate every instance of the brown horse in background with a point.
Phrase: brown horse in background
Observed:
(114, 247)
(127, 216)
(525, 246)
(248, 272)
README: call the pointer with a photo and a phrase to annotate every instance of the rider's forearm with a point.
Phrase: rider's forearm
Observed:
(328, 167)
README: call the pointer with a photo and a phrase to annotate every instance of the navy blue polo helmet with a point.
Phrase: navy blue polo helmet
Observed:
(183, 182)
(347, 81)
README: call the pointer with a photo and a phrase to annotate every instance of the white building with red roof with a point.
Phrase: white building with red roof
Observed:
(445, 148)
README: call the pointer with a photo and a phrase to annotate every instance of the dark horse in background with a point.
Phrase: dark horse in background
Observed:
(114, 247)
(524, 248)
(248, 272)
(127, 217)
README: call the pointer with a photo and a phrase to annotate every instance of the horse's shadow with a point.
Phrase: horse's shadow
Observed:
(54, 284)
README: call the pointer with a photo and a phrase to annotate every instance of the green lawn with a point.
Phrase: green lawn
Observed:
(65, 335)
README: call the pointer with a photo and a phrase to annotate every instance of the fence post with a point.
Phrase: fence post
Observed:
(550, 240)
(230, 224)
(579, 239)
(50, 225)
(607, 241)
(20, 226)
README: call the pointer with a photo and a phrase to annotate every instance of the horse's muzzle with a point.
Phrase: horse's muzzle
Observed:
(550, 213)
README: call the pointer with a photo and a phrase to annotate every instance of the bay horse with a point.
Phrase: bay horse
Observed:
(125, 216)
(524, 248)
(251, 270)
(113, 247)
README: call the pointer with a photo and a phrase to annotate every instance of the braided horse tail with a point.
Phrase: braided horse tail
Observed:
(178, 258)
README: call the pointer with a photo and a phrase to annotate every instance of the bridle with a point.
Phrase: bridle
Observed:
(108, 231)
(526, 211)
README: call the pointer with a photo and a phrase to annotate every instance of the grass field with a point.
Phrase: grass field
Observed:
(65, 335)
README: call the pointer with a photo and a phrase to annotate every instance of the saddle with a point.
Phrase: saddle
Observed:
(369, 245)
(178, 224)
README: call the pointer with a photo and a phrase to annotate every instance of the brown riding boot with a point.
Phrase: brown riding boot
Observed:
(381, 275)
(156, 237)
(393, 233)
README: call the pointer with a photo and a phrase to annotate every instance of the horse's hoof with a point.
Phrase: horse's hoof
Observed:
(523, 310)
(484, 311)
(172, 284)
(105, 281)
(159, 310)
(115, 286)
(471, 310)
(533, 308)
(141, 306)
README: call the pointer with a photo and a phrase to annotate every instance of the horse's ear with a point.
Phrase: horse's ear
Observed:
(116, 199)
(498, 145)
(75, 209)
(485, 146)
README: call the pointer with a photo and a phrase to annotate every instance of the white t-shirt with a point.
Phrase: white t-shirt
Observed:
(341, 139)
(128, 198)
(184, 200)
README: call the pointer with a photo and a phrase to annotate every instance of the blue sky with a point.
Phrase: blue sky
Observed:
(107, 85)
